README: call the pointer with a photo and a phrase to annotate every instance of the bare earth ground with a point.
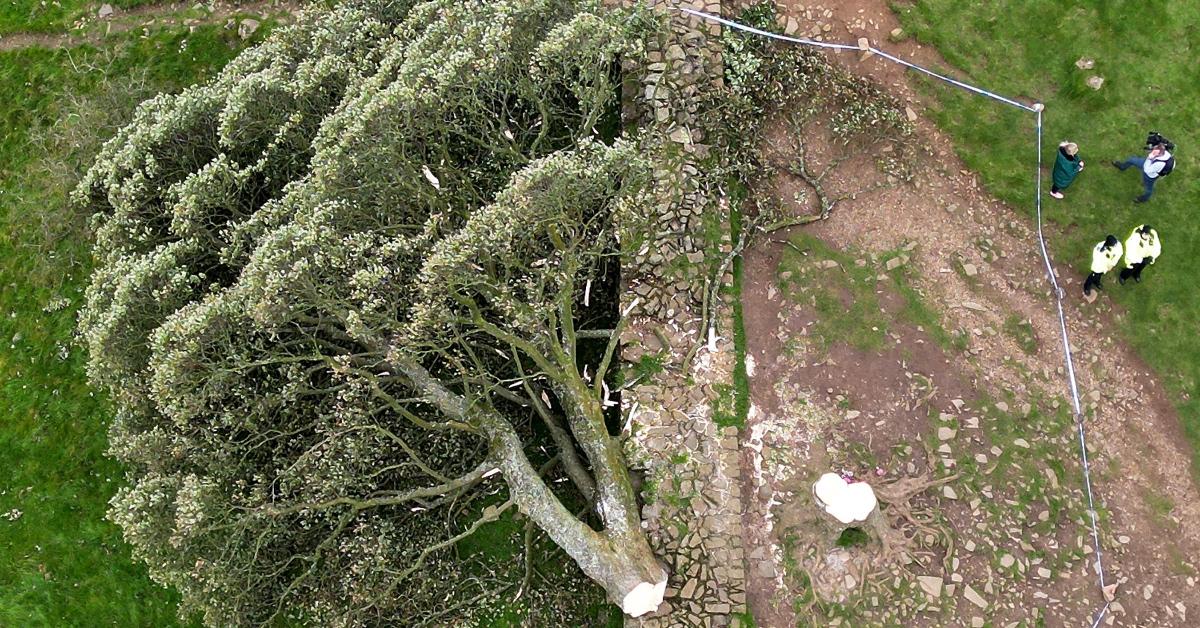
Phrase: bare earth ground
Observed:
(1012, 528)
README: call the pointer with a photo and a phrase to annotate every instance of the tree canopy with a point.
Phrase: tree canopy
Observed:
(345, 306)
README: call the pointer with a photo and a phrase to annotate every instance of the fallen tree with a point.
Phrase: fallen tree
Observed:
(349, 304)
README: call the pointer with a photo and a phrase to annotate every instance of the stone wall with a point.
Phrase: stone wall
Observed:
(693, 509)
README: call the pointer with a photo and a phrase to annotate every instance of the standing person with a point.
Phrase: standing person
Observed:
(1159, 163)
(1141, 249)
(1067, 164)
(1105, 256)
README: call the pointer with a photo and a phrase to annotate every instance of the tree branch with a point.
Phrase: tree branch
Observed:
(359, 505)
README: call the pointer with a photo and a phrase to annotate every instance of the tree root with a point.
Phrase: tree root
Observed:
(898, 548)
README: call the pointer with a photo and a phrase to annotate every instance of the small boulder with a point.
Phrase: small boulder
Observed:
(931, 585)
(973, 597)
(1084, 63)
(1095, 82)
(247, 27)
(105, 11)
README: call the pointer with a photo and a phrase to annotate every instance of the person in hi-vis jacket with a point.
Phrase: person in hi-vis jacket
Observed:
(1141, 249)
(1105, 256)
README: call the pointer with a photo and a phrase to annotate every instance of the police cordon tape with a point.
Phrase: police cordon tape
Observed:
(1037, 109)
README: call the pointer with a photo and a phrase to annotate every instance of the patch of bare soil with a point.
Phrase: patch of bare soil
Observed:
(1008, 541)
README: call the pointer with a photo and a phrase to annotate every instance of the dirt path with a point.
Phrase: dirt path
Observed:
(92, 29)
(1139, 455)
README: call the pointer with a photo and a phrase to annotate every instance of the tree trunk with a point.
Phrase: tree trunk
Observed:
(844, 505)
(620, 560)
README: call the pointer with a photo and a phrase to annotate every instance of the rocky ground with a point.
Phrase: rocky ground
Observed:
(913, 333)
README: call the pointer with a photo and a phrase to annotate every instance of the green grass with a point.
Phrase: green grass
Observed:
(853, 537)
(841, 293)
(1021, 330)
(741, 379)
(1028, 50)
(61, 563)
(49, 16)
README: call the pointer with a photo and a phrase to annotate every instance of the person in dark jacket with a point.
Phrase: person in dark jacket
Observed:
(1067, 165)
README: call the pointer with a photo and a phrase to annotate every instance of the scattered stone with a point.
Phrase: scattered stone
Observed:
(681, 136)
(1085, 63)
(247, 27)
(949, 492)
(1095, 82)
(897, 33)
(946, 433)
(105, 11)
(910, 114)
(896, 262)
(852, 414)
(970, 270)
(1052, 478)
(828, 264)
(973, 597)
(1042, 572)
(1007, 561)
(792, 27)
(931, 585)
(1022, 443)
(976, 622)
(1002, 406)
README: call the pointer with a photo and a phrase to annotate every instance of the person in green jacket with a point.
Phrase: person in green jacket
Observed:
(1105, 256)
(1067, 165)
(1141, 249)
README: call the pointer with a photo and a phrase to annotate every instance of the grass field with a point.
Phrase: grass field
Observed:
(61, 563)
(52, 16)
(1143, 51)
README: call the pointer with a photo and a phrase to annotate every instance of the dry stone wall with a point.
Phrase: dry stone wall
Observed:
(692, 481)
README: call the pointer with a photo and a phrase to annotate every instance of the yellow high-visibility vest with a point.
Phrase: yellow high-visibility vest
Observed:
(1138, 248)
(1103, 260)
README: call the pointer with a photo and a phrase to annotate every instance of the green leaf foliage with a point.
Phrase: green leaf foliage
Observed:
(382, 179)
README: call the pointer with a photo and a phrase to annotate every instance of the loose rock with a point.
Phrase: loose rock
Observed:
(247, 27)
